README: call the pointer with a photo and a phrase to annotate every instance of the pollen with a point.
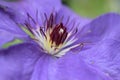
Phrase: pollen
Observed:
(61, 31)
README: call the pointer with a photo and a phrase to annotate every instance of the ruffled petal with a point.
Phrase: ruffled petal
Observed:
(9, 30)
(69, 67)
(105, 26)
(106, 56)
(33, 7)
(17, 62)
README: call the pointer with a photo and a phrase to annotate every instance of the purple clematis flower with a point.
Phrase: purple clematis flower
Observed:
(63, 46)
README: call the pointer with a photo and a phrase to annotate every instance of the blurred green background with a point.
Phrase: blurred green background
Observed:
(93, 8)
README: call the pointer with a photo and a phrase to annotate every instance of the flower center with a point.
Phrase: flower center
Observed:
(52, 38)
(58, 35)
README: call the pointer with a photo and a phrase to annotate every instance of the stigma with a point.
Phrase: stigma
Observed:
(52, 38)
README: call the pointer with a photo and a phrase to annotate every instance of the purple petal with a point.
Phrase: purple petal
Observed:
(17, 62)
(69, 67)
(22, 7)
(106, 56)
(105, 26)
(9, 30)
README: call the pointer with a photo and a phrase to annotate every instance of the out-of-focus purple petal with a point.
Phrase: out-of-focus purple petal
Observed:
(69, 67)
(106, 56)
(9, 29)
(105, 26)
(33, 7)
(17, 62)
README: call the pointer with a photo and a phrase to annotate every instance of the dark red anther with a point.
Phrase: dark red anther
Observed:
(58, 34)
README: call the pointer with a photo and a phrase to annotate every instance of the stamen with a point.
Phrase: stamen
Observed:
(50, 22)
(55, 38)
(29, 17)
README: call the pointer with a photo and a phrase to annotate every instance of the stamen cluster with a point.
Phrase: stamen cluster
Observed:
(52, 38)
